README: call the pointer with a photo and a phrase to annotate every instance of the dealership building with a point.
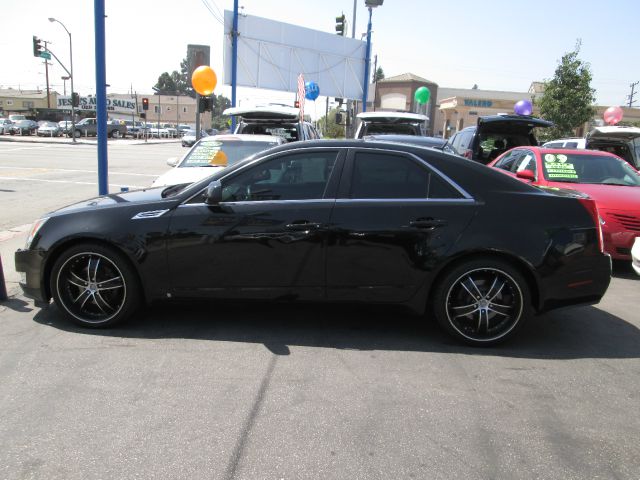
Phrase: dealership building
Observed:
(452, 109)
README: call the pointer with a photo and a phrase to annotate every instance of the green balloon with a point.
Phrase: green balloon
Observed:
(422, 95)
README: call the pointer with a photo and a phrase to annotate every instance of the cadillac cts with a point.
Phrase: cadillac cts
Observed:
(348, 221)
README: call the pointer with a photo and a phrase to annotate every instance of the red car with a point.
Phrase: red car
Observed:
(606, 178)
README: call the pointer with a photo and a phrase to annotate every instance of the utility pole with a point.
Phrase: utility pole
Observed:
(46, 73)
(632, 94)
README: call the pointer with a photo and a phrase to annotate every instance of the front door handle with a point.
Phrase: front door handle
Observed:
(427, 223)
(302, 226)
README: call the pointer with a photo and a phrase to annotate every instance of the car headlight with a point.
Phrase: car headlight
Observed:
(35, 228)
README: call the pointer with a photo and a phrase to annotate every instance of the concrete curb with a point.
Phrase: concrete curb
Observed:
(51, 141)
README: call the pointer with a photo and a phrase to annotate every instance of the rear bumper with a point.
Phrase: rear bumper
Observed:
(30, 263)
(585, 285)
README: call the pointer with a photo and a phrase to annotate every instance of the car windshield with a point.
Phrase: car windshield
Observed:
(376, 128)
(595, 169)
(222, 153)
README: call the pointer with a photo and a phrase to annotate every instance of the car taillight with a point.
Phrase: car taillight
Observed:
(592, 208)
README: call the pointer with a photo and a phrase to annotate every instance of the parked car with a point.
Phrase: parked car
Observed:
(134, 128)
(88, 127)
(338, 221)
(432, 142)
(566, 143)
(189, 137)
(398, 123)
(49, 129)
(17, 117)
(5, 126)
(607, 179)
(65, 126)
(621, 141)
(182, 129)
(172, 131)
(155, 131)
(495, 134)
(23, 127)
(214, 153)
(278, 120)
(635, 255)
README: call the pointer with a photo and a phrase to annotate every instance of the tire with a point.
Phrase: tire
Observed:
(115, 134)
(95, 286)
(77, 133)
(482, 302)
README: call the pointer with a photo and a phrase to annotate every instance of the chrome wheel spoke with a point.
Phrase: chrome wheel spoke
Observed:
(84, 292)
(110, 280)
(473, 286)
(78, 279)
(471, 309)
(489, 296)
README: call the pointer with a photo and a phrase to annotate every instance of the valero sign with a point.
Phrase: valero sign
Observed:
(89, 103)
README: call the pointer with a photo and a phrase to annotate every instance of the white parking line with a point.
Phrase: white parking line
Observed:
(80, 171)
(68, 182)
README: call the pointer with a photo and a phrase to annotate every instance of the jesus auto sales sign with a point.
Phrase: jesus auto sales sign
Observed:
(89, 103)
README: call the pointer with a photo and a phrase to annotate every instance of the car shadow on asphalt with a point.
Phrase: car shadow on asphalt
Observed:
(623, 269)
(583, 332)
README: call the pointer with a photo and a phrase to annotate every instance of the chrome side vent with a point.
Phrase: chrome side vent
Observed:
(149, 214)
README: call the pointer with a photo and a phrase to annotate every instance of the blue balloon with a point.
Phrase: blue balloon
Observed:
(311, 90)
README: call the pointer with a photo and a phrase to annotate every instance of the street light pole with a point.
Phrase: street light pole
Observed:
(73, 110)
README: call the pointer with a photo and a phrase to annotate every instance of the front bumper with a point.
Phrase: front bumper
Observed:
(31, 264)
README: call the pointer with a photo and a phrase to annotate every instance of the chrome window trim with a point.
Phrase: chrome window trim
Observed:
(405, 200)
(264, 202)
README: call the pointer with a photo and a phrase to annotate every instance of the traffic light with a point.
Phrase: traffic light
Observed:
(75, 99)
(37, 46)
(205, 105)
(143, 115)
(339, 101)
(338, 118)
(296, 104)
(341, 25)
(145, 104)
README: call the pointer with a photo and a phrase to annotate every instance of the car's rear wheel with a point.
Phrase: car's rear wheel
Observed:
(95, 285)
(482, 302)
(115, 134)
(77, 133)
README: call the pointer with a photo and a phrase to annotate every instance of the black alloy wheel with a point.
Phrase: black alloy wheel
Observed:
(94, 285)
(482, 302)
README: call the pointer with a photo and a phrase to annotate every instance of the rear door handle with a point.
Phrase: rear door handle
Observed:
(300, 227)
(427, 223)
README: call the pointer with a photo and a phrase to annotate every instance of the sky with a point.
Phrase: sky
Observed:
(496, 44)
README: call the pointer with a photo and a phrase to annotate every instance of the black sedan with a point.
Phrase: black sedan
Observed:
(319, 221)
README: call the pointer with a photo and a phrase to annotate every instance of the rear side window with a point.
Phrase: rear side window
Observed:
(377, 175)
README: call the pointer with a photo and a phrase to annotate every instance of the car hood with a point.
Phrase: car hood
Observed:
(608, 196)
(133, 198)
(179, 175)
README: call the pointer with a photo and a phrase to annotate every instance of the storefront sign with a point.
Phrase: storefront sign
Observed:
(89, 103)
(472, 102)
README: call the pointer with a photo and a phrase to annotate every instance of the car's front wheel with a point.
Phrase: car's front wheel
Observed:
(115, 134)
(482, 302)
(95, 285)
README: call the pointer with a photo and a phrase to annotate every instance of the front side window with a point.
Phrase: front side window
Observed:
(302, 176)
(378, 175)
(208, 153)
(526, 161)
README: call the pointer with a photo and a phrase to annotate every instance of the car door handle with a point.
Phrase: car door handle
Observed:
(302, 226)
(427, 223)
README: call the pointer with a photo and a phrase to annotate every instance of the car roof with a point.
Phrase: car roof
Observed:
(246, 137)
(614, 132)
(392, 117)
(565, 151)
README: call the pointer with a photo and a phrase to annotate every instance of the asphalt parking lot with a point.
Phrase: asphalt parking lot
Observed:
(247, 391)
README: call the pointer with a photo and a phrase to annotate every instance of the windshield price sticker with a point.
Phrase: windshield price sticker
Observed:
(557, 166)
(205, 153)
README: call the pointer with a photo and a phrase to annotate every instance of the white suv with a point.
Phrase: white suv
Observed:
(567, 143)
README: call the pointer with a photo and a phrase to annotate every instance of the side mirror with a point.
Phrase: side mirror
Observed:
(172, 162)
(213, 195)
(526, 175)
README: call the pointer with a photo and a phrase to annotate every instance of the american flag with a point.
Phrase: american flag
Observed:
(301, 94)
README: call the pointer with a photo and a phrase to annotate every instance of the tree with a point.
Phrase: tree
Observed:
(379, 75)
(330, 129)
(567, 99)
(166, 83)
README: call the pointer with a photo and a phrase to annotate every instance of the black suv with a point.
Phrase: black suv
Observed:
(277, 120)
(494, 135)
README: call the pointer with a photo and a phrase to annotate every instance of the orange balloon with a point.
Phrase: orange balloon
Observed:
(204, 80)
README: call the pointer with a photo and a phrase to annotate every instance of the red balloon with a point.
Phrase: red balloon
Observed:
(612, 115)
